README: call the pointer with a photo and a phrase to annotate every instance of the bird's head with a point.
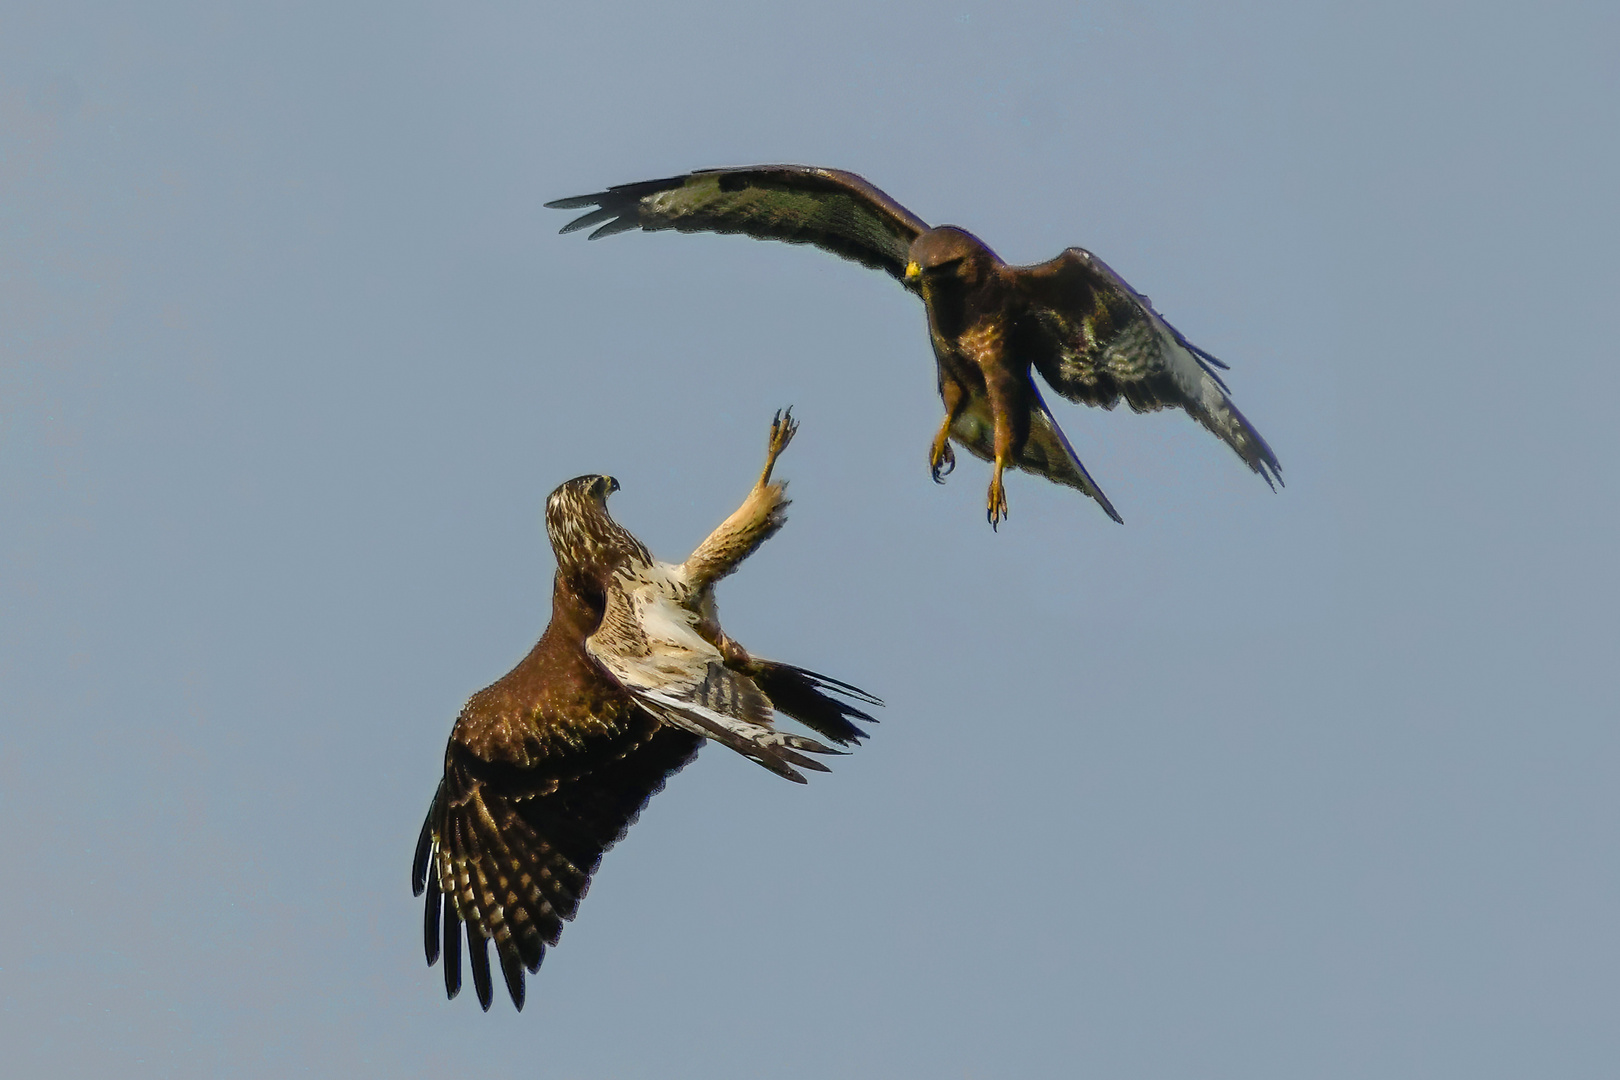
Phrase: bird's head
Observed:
(947, 255)
(584, 537)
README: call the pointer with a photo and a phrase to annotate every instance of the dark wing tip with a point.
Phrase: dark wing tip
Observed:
(478, 956)
(1254, 450)
(585, 221)
(834, 210)
(847, 689)
(424, 852)
(612, 228)
(800, 693)
(619, 206)
(796, 758)
(430, 923)
(574, 202)
(1203, 354)
(512, 969)
(452, 952)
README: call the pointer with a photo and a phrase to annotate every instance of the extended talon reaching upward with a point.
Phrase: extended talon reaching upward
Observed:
(783, 428)
(762, 513)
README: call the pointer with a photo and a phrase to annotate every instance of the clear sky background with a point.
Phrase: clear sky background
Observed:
(1314, 784)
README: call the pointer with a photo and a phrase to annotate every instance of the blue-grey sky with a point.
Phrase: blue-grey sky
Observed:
(1320, 783)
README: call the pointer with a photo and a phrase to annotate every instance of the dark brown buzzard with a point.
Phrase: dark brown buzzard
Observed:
(547, 768)
(1093, 338)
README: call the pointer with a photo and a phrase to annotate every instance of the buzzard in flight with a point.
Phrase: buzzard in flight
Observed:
(547, 768)
(1093, 338)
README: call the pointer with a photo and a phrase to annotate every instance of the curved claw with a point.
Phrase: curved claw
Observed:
(943, 455)
(996, 511)
(783, 428)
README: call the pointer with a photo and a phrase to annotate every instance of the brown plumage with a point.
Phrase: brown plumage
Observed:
(1093, 338)
(548, 767)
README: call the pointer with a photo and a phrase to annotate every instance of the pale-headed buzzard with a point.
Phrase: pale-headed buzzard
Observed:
(547, 768)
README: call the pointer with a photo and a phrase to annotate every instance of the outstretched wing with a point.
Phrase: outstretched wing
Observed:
(648, 642)
(1097, 340)
(801, 204)
(1045, 453)
(511, 849)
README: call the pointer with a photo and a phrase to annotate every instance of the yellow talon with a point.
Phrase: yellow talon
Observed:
(997, 502)
(783, 428)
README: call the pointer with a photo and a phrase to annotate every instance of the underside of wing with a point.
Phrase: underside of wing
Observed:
(506, 854)
(1045, 453)
(649, 643)
(800, 204)
(1097, 341)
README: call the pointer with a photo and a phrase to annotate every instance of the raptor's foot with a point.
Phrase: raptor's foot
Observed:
(941, 458)
(783, 428)
(997, 511)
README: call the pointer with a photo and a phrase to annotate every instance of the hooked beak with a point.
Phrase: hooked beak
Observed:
(605, 486)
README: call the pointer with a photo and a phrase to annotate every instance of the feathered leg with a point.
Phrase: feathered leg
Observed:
(1010, 409)
(762, 513)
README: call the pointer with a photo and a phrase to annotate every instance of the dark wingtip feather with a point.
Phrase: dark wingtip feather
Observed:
(847, 689)
(452, 952)
(574, 202)
(1204, 355)
(798, 692)
(424, 851)
(430, 922)
(512, 969)
(530, 947)
(1108, 507)
(619, 225)
(1259, 456)
(478, 959)
(622, 202)
(793, 757)
(585, 221)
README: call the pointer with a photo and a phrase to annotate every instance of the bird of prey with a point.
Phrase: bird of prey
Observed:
(1092, 337)
(547, 768)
